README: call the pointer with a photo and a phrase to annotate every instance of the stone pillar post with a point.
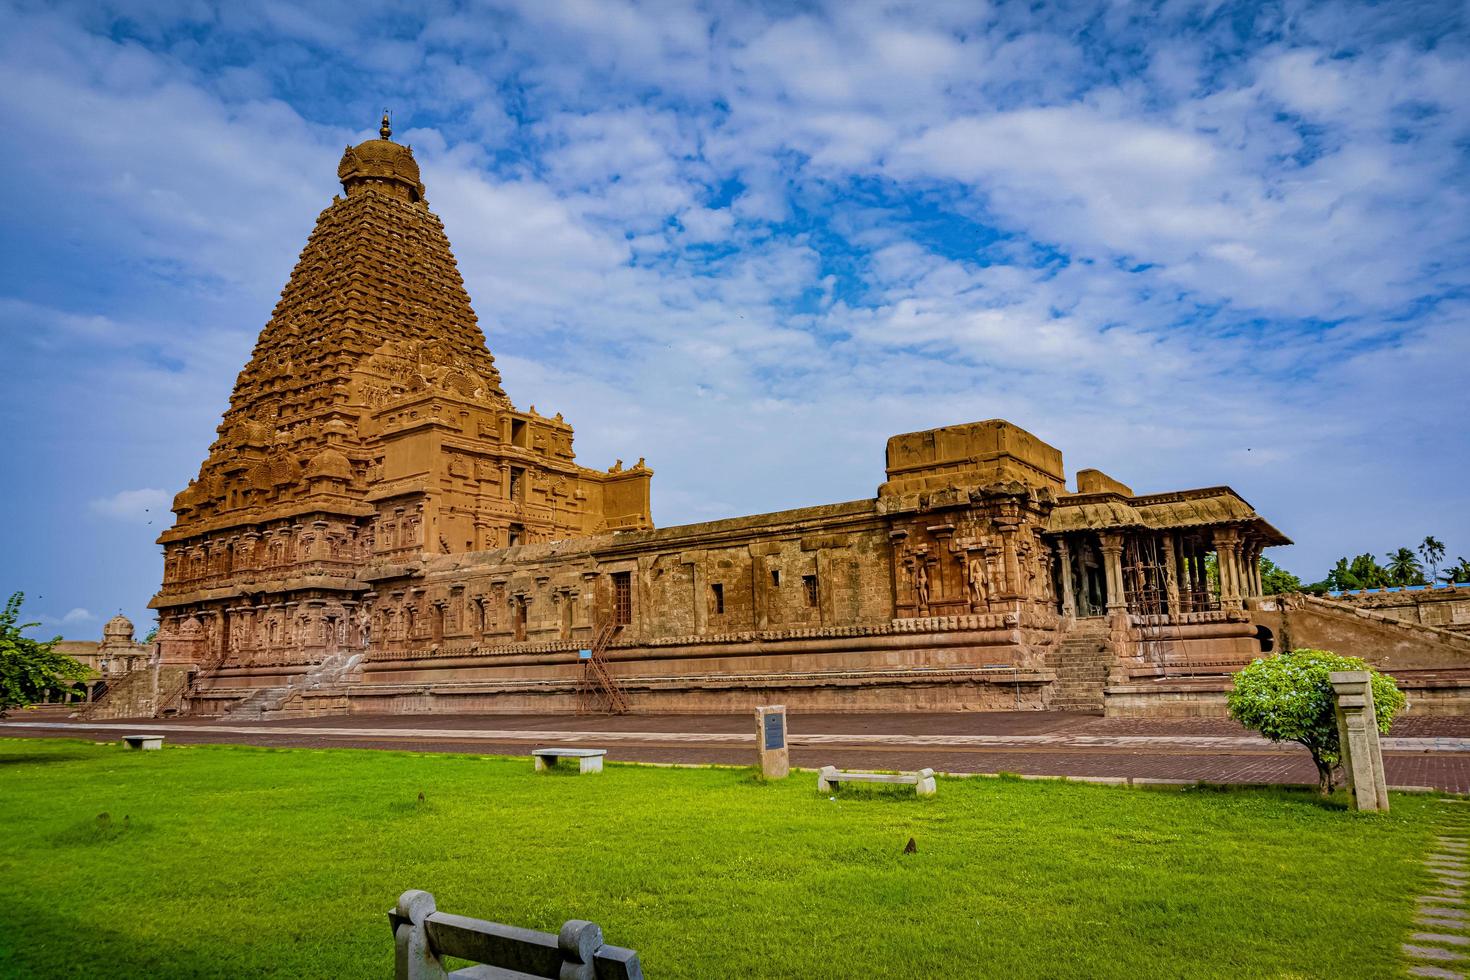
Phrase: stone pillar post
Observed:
(318, 540)
(770, 740)
(1227, 541)
(1064, 560)
(1171, 577)
(1009, 561)
(695, 561)
(1357, 730)
(1112, 550)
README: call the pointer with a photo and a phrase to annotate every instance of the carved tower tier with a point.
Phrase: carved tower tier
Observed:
(369, 424)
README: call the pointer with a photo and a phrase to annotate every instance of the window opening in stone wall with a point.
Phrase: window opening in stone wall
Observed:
(517, 479)
(513, 536)
(776, 577)
(809, 584)
(622, 583)
(718, 592)
(517, 433)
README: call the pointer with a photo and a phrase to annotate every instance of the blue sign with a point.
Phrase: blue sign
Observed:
(584, 654)
(775, 730)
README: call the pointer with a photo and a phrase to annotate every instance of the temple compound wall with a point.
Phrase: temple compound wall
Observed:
(377, 528)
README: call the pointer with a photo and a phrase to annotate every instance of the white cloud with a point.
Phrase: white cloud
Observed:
(736, 241)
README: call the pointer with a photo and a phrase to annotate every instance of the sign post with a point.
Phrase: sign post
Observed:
(770, 736)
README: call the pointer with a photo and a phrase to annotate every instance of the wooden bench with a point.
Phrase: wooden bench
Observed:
(922, 781)
(424, 937)
(148, 742)
(588, 760)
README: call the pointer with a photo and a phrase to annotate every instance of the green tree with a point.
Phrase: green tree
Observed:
(1404, 569)
(1433, 551)
(1363, 572)
(1288, 698)
(1276, 580)
(1456, 573)
(29, 667)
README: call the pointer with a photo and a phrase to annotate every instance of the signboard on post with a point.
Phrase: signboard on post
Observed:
(770, 737)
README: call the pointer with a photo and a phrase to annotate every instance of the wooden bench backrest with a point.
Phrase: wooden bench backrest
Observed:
(423, 937)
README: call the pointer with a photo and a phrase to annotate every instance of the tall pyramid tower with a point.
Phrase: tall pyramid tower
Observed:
(369, 428)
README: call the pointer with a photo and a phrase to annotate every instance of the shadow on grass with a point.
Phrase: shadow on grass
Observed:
(27, 759)
(103, 951)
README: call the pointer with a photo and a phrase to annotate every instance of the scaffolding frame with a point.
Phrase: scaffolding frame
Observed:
(1146, 591)
(598, 691)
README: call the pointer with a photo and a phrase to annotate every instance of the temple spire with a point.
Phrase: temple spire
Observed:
(386, 129)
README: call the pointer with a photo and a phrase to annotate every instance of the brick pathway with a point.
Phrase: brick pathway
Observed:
(1434, 752)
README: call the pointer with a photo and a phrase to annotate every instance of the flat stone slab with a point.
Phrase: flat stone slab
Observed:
(1434, 971)
(588, 760)
(1431, 953)
(830, 777)
(144, 742)
(1433, 922)
(1440, 937)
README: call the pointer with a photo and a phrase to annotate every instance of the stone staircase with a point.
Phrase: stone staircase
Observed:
(260, 701)
(137, 694)
(1081, 662)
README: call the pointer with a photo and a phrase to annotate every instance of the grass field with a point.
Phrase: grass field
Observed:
(230, 861)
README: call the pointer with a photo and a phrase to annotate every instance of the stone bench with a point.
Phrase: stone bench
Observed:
(143, 741)
(922, 781)
(588, 760)
(424, 937)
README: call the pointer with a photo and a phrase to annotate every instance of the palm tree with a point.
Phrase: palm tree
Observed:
(1433, 551)
(1404, 569)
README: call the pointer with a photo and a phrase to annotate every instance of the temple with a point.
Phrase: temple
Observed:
(377, 528)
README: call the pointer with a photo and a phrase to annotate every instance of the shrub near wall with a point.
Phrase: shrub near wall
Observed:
(1288, 698)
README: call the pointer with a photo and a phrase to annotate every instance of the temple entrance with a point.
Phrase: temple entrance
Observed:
(1089, 582)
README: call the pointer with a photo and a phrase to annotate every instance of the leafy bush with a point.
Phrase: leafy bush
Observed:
(1288, 698)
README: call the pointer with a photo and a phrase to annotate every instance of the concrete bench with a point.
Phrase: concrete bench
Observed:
(588, 760)
(922, 781)
(424, 937)
(143, 741)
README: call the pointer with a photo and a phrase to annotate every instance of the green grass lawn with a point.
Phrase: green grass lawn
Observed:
(228, 861)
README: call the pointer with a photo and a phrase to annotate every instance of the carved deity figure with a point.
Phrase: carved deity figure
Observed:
(921, 586)
(976, 576)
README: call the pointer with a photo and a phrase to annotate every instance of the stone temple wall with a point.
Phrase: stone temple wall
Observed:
(378, 528)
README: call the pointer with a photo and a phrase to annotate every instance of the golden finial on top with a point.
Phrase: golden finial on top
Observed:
(386, 129)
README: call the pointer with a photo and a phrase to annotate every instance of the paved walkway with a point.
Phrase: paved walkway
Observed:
(1429, 752)
(1438, 946)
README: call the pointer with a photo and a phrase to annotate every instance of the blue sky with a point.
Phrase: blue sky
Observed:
(1187, 243)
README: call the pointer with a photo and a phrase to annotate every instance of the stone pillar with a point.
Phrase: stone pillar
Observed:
(1171, 578)
(770, 740)
(760, 588)
(1227, 541)
(1112, 549)
(1064, 560)
(1009, 560)
(695, 561)
(1357, 730)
